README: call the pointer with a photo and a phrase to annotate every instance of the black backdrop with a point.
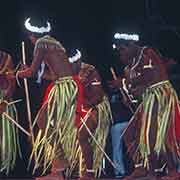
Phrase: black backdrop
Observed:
(89, 25)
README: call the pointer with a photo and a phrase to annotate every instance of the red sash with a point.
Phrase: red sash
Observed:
(177, 123)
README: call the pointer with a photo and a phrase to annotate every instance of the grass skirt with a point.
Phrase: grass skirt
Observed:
(153, 127)
(9, 139)
(59, 133)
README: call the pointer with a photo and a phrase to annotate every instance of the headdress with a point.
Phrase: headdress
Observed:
(35, 29)
(75, 57)
(130, 37)
(123, 37)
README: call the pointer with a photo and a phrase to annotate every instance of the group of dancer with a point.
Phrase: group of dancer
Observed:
(74, 118)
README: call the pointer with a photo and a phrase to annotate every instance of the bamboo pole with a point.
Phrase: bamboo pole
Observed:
(27, 96)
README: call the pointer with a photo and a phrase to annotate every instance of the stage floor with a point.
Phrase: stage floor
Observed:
(58, 178)
(55, 178)
(144, 178)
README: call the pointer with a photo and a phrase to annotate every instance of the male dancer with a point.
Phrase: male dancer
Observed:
(9, 142)
(55, 117)
(153, 134)
(98, 120)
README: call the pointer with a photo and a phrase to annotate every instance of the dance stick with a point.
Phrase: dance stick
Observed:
(125, 96)
(27, 96)
(94, 139)
(14, 102)
(14, 122)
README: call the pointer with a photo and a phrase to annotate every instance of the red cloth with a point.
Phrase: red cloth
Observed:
(48, 89)
(177, 123)
(79, 103)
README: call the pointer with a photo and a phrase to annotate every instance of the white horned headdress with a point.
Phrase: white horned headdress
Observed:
(36, 29)
(125, 36)
(75, 57)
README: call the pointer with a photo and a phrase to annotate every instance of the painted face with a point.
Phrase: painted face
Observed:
(125, 52)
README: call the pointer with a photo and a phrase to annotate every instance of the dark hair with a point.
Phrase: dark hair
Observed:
(37, 35)
(122, 41)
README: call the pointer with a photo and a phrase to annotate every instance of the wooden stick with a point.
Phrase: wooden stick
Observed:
(120, 89)
(27, 95)
(94, 139)
(15, 123)
(14, 102)
(130, 121)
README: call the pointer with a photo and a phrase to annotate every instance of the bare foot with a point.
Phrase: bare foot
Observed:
(52, 176)
(137, 173)
(173, 175)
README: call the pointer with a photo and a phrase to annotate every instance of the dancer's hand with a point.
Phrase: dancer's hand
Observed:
(115, 84)
(27, 73)
(23, 67)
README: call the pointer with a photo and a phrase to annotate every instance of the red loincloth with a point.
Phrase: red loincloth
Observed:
(177, 123)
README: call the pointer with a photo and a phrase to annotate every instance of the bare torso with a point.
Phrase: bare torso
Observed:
(150, 70)
(54, 56)
(6, 66)
(57, 63)
(92, 83)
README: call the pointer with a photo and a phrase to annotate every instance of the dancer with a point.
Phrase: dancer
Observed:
(153, 135)
(9, 140)
(98, 120)
(57, 135)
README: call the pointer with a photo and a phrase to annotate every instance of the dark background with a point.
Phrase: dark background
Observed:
(90, 25)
